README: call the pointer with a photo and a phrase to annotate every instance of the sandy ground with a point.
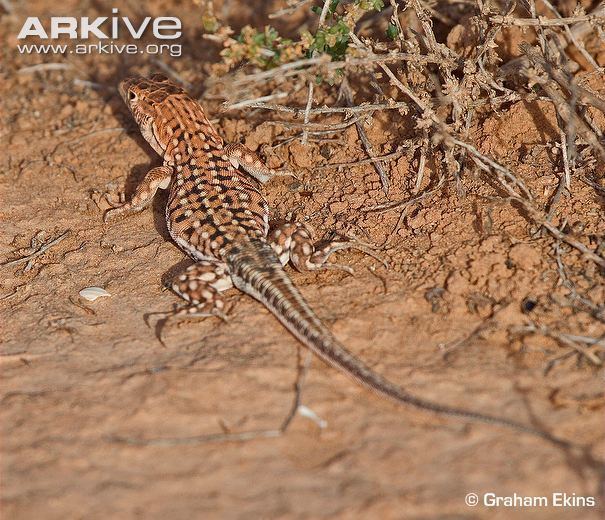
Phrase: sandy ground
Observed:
(86, 386)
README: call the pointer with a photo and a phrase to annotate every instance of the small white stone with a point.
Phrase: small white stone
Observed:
(92, 293)
(310, 414)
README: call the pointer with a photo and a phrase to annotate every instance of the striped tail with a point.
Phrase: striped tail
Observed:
(255, 270)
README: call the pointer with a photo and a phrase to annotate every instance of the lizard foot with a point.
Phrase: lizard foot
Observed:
(201, 285)
(293, 242)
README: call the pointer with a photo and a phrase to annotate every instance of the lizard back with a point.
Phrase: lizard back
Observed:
(211, 203)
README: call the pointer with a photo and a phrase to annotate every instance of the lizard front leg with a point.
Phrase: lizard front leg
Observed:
(293, 242)
(156, 178)
(201, 286)
(240, 155)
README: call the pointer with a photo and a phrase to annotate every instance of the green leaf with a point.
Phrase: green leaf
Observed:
(392, 31)
(368, 5)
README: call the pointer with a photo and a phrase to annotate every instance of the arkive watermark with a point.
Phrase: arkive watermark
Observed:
(106, 30)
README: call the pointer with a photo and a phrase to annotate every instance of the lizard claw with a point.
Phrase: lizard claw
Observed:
(285, 173)
(111, 202)
(194, 312)
(109, 215)
(114, 210)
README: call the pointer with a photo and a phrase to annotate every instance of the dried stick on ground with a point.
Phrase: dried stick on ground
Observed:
(348, 111)
(322, 19)
(567, 340)
(382, 174)
(578, 32)
(228, 436)
(545, 22)
(562, 105)
(38, 252)
(584, 95)
(571, 38)
(310, 67)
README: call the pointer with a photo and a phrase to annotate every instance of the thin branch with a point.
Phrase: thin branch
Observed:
(382, 175)
(363, 107)
(322, 19)
(257, 102)
(572, 38)
(561, 104)
(387, 157)
(43, 67)
(323, 127)
(541, 21)
(231, 436)
(294, 6)
(565, 339)
(38, 252)
(401, 204)
(172, 73)
(306, 66)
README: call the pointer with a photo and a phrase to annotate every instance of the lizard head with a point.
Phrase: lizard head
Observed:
(146, 97)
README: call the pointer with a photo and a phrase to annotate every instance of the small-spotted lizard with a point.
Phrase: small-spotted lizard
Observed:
(217, 214)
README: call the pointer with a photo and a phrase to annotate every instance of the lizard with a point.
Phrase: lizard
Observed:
(217, 214)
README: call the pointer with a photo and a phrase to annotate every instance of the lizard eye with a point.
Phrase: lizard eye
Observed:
(131, 95)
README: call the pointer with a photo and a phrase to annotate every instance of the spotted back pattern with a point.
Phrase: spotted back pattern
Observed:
(211, 204)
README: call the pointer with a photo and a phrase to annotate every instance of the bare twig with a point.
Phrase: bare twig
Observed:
(568, 239)
(541, 21)
(292, 7)
(231, 436)
(321, 127)
(579, 31)
(308, 110)
(564, 181)
(568, 340)
(388, 157)
(43, 67)
(91, 84)
(323, 62)
(257, 102)
(6, 4)
(483, 326)
(383, 176)
(421, 165)
(402, 204)
(363, 107)
(539, 28)
(485, 163)
(89, 135)
(322, 19)
(585, 304)
(572, 38)
(563, 107)
(38, 252)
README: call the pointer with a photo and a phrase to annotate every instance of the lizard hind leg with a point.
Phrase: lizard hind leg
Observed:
(242, 157)
(293, 242)
(201, 286)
